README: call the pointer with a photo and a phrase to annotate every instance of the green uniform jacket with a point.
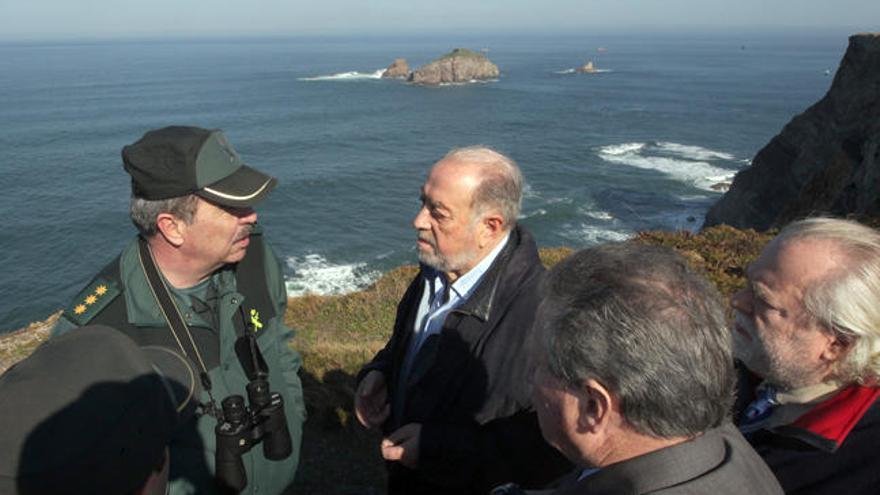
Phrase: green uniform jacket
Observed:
(192, 450)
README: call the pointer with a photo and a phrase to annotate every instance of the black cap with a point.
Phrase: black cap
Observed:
(179, 160)
(90, 412)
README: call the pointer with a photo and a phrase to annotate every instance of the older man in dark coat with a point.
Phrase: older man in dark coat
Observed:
(450, 389)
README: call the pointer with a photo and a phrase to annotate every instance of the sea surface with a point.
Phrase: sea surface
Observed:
(637, 145)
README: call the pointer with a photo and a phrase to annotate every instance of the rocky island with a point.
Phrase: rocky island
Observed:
(458, 66)
(587, 68)
(398, 69)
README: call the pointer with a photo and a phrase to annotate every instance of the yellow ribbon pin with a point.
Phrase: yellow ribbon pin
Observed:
(255, 320)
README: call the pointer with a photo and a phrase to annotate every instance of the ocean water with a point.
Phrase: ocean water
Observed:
(637, 145)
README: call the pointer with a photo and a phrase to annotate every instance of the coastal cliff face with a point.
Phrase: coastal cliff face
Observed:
(826, 160)
(460, 65)
(398, 69)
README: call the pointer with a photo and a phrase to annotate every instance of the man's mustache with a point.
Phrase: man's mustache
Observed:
(245, 232)
(427, 239)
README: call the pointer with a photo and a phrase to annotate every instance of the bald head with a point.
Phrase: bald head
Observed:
(494, 180)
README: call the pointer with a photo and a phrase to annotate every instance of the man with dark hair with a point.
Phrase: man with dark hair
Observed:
(808, 330)
(91, 412)
(200, 279)
(635, 377)
(449, 389)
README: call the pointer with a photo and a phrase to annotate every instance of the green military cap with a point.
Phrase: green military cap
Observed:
(179, 160)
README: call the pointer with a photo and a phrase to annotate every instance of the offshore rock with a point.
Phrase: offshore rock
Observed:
(458, 66)
(587, 68)
(825, 161)
(397, 70)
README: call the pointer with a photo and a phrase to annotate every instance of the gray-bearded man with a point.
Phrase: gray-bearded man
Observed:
(808, 328)
(450, 389)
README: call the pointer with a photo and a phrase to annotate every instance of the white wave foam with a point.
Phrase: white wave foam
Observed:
(313, 274)
(470, 81)
(600, 215)
(540, 212)
(346, 76)
(693, 152)
(682, 162)
(529, 191)
(593, 234)
(574, 71)
(692, 197)
(621, 149)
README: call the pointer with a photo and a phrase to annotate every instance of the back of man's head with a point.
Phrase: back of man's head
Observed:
(846, 301)
(638, 320)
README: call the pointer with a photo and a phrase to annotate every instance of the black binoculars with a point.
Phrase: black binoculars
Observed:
(242, 427)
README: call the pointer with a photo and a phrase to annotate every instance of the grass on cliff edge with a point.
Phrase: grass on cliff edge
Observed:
(336, 335)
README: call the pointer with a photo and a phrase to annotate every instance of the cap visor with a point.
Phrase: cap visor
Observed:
(245, 187)
(179, 379)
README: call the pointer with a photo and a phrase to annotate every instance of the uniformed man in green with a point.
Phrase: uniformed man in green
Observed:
(200, 279)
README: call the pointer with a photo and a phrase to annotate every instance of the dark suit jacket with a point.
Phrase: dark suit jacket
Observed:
(719, 462)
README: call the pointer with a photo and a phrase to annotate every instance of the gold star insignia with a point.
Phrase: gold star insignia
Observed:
(91, 300)
(101, 290)
(80, 309)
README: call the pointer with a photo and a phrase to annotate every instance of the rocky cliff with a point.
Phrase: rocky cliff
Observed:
(398, 69)
(458, 66)
(826, 160)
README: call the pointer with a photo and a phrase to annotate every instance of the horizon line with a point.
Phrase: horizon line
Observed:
(561, 33)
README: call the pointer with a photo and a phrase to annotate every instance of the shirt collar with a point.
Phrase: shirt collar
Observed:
(465, 285)
(806, 395)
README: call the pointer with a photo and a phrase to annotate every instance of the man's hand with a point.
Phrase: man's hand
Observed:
(371, 400)
(403, 445)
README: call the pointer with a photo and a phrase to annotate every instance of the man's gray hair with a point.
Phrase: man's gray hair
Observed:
(502, 181)
(641, 322)
(143, 212)
(847, 301)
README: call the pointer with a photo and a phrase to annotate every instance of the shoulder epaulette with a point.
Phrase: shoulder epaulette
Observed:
(91, 300)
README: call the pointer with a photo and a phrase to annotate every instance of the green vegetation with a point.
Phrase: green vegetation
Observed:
(460, 52)
(337, 334)
(721, 253)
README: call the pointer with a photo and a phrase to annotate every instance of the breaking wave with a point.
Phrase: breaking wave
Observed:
(691, 164)
(346, 76)
(313, 274)
(594, 234)
(574, 71)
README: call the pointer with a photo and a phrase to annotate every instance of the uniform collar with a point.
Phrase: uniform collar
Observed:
(145, 311)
